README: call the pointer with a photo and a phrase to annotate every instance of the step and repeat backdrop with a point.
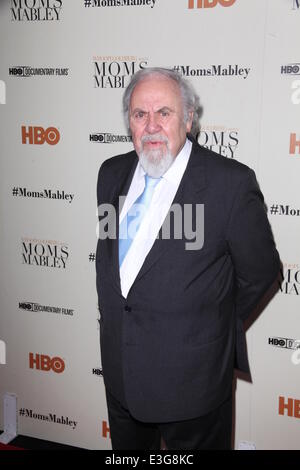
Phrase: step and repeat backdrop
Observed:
(64, 65)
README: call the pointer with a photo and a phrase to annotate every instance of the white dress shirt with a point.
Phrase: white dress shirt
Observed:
(151, 223)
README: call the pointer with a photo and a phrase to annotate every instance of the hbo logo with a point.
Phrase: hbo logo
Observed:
(210, 3)
(43, 362)
(38, 135)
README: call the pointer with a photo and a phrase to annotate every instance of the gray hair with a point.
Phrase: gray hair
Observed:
(190, 99)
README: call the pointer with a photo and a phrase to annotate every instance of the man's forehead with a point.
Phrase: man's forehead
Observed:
(156, 88)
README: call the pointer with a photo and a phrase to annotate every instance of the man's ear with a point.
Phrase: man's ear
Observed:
(189, 121)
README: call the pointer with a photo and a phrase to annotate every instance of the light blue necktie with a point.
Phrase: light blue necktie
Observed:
(132, 220)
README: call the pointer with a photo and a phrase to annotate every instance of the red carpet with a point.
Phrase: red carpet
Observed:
(8, 447)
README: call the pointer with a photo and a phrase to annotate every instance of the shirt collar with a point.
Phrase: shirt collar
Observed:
(178, 166)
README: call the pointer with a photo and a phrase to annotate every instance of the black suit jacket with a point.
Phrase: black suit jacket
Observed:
(169, 349)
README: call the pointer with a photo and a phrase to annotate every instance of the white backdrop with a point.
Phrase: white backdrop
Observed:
(63, 68)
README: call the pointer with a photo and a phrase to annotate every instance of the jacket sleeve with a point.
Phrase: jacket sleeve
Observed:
(251, 245)
(101, 198)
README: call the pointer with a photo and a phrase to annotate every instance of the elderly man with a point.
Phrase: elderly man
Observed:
(172, 312)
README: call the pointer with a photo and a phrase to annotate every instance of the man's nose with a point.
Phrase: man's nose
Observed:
(152, 124)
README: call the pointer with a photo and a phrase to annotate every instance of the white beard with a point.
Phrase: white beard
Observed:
(156, 162)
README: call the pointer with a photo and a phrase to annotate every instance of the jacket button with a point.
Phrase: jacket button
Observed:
(127, 308)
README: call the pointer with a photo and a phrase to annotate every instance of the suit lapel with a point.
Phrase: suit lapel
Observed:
(121, 190)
